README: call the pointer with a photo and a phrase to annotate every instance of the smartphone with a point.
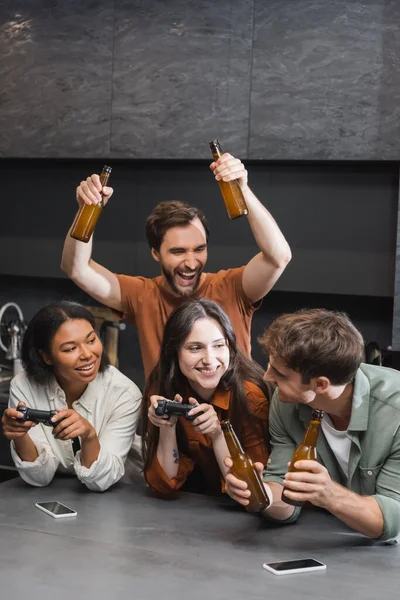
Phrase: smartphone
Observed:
(56, 509)
(302, 565)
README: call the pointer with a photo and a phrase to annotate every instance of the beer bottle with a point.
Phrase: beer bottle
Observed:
(230, 190)
(243, 468)
(307, 450)
(88, 214)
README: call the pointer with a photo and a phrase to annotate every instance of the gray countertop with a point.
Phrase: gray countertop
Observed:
(126, 541)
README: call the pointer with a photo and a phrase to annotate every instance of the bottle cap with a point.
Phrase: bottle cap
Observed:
(107, 169)
(214, 143)
(317, 414)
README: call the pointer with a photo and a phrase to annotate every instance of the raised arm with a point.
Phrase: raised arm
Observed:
(76, 262)
(264, 270)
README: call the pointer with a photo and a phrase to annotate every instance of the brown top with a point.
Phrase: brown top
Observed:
(148, 305)
(198, 459)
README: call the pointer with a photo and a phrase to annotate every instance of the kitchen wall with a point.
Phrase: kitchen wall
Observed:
(273, 79)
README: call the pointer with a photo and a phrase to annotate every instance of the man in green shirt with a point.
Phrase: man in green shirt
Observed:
(315, 359)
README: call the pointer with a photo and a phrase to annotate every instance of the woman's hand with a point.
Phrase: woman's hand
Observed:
(208, 422)
(163, 421)
(12, 429)
(238, 489)
(69, 424)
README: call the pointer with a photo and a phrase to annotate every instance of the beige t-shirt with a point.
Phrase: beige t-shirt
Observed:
(146, 304)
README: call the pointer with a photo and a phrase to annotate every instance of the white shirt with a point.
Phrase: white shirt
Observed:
(339, 443)
(111, 404)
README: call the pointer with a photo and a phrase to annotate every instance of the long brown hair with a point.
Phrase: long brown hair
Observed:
(166, 379)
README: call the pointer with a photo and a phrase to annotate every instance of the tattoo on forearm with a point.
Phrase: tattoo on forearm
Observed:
(175, 454)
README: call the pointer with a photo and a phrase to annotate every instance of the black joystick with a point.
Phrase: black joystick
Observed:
(170, 408)
(37, 416)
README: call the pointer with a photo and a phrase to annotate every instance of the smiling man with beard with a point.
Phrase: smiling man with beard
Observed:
(177, 234)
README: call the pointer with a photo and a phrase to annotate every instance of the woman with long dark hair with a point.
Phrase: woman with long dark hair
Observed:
(201, 365)
(66, 370)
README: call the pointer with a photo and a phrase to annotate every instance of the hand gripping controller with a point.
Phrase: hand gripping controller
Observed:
(170, 408)
(37, 416)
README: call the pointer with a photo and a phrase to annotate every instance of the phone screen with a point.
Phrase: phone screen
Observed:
(288, 565)
(56, 508)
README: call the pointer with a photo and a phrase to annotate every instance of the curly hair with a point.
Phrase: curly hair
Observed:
(40, 333)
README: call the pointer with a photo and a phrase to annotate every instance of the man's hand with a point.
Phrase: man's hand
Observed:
(88, 192)
(12, 429)
(229, 168)
(69, 424)
(312, 483)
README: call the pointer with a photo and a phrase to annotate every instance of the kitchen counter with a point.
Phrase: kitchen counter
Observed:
(127, 543)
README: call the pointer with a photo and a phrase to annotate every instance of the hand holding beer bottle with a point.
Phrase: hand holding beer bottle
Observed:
(91, 199)
(243, 468)
(307, 450)
(231, 192)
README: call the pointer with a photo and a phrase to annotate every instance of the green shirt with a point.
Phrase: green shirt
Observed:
(374, 430)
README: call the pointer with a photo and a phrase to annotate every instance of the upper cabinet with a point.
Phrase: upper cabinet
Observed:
(302, 79)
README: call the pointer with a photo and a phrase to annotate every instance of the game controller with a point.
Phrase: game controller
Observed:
(170, 408)
(37, 416)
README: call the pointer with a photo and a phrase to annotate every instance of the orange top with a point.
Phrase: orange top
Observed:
(148, 305)
(197, 462)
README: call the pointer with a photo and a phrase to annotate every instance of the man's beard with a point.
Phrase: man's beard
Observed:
(183, 293)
